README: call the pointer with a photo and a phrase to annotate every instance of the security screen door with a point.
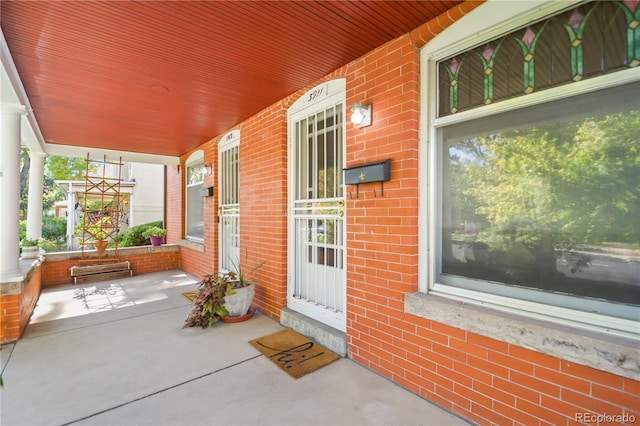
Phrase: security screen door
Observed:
(317, 231)
(229, 201)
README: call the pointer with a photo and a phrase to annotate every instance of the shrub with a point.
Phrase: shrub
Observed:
(154, 231)
(134, 236)
(54, 228)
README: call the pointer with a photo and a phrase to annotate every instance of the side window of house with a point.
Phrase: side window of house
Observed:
(539, 199)
(194, 205)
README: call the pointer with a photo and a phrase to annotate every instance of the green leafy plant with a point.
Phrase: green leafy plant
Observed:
(242, 276)
(54, 228)
(98, 229)
(134, 235)
(208, 305)
(26, 242)
(154, 231)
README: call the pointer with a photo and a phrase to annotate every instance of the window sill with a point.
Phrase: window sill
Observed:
(612, 354)
(192, 245)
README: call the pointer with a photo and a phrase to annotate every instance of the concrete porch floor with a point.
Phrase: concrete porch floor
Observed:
(114, 353)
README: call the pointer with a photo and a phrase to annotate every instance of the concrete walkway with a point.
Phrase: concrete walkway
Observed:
(114, 353)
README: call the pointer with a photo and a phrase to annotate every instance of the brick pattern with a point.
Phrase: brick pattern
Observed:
(174, 221)
(9, 318)
(481, 379)
(421, 35)
(196, 262)
(16, 309)
(485, 380)
(263, 205)
(57, 272)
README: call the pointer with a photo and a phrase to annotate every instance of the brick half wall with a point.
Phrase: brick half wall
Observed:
(56, 268)
(18, 299)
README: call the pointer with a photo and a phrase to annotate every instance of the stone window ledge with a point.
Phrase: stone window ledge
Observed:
(612, 354)
(193, 245)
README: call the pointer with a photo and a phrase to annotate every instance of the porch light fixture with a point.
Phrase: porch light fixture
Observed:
(361, 114)
(206, 169)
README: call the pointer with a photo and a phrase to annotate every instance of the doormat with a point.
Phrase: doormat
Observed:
(293, 352)
(190, 295)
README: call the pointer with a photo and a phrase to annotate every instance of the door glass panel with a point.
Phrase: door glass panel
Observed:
(319, 209)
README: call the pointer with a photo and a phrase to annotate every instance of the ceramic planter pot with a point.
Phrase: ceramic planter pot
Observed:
(238, 304)
(156, 240)
(30, 252)
(100, 245)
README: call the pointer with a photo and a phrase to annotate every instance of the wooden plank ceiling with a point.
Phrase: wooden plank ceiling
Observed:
(162, 77)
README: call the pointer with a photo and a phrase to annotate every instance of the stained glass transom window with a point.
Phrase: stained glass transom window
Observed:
(592, 39)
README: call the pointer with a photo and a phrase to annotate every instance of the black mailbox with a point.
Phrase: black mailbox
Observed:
(206, 192)
(374, 172)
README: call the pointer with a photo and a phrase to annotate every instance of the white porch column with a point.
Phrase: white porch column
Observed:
(10, 116)
(34, 205)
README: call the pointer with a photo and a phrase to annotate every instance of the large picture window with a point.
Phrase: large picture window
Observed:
(535, 164)
(546, 198)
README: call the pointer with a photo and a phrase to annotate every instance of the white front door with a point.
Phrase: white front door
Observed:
(317, 270)
(229, 201)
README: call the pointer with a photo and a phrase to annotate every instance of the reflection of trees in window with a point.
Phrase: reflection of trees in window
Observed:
(540, 205)
(195, 175)
(194, 203)
(319, 151)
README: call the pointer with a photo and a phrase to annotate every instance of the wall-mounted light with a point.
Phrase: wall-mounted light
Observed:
(206, 169)
(361, 114)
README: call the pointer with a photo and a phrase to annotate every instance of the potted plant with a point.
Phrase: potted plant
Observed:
(240, 294)
(225, 296)
(155, 235)
(209, 305)
(98, 230)
(30, 248)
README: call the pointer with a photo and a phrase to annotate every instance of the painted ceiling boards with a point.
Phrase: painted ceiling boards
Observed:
(163, 77)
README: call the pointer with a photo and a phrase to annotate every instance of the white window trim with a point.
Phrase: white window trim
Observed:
(195, 159)
(486, 22)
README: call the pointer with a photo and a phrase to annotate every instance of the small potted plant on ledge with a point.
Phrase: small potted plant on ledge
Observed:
(155, 235)
(30, 248)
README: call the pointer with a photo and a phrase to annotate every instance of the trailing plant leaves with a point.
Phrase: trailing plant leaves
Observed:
(208, 305)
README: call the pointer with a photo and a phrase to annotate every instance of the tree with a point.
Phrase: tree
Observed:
(67, 168)
(541, 192)
(55, 168)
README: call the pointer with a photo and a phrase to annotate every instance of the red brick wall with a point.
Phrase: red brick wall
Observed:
(9, 317)
(263, 204)
(263, 201)
(174, 197)
(196, 262)
(16, 309)
(484, 380)
(56, 269)
(197, 259)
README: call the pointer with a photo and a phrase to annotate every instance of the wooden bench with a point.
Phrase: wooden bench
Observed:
(101, 272)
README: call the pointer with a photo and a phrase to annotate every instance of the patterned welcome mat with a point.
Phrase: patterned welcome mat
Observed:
(293, 352)
(190, 295)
